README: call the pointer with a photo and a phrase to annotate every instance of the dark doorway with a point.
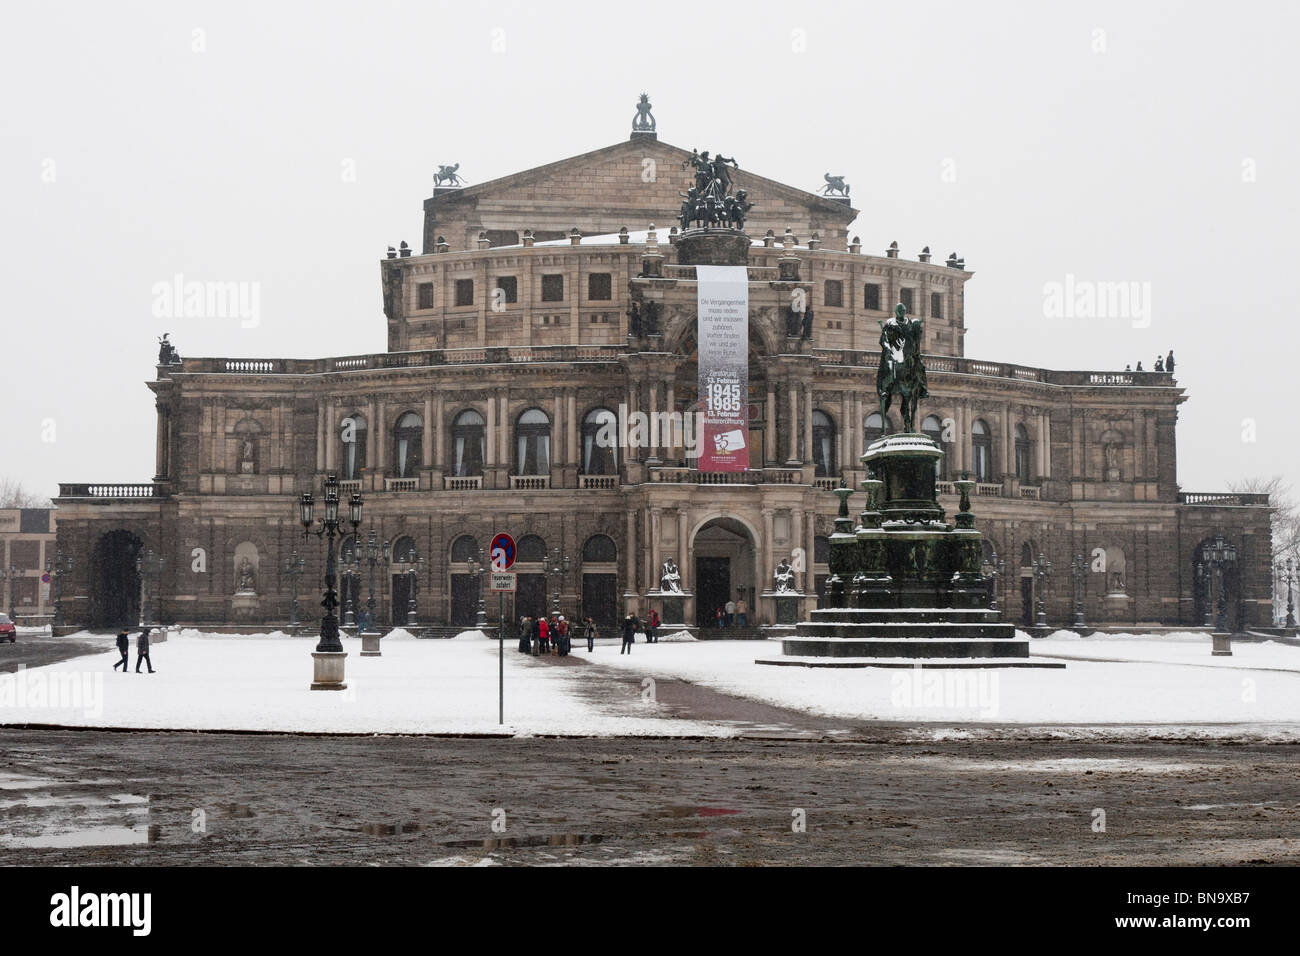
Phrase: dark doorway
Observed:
(530, 599)
(115, 582)
(1026, 602)
(401, 599)
(464, 599)
(600, 601)
(712, 588)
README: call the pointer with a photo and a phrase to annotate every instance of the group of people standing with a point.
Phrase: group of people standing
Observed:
(633, 625)
(732, 614)
(141, 650)
(553, 635)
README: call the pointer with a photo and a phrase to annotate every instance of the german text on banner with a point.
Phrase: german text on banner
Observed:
(723, 307)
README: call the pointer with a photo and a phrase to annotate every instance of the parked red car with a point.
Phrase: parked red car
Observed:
(8, 630)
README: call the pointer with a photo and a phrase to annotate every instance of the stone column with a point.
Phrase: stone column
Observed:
(796, 538)
(321, 432)
(683, 552)
(381, 439)
(503, 429)
(1008, 462)
(845, 441)
(490, 443)
(793, 389)
(426, 450)
(372, 435)
(808, 456)
(766, 555)
(655, 437)
(655, 544)
(559, 447)
(670, 406)
(571, 421)
(770, 450)
(632, 558)
(331, 444)
(439, 411)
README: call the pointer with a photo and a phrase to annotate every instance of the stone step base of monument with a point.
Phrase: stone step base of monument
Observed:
(909, 648)
(922, 631)
(927, 663)
(904, 615)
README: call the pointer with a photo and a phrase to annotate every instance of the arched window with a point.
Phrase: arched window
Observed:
(408, 445)
(874, 429)
(1026, 555)
(932, 428)
(599, 442)
(823, 444)
(352, 435)
(599, 549)
(1024, 450)
(467, 444)
(530, 549)
(981, 441)
(462, 549)
(404, 550)
(533, 443)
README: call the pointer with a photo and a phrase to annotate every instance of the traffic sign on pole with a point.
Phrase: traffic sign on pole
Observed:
(501, 552)
(503, 581)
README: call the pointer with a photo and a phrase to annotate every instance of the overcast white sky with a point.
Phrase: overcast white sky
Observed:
(1134, 163)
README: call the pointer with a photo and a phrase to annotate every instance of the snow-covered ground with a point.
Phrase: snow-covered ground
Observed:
(1114, 685)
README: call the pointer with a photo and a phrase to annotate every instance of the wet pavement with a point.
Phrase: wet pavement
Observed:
(94, 797)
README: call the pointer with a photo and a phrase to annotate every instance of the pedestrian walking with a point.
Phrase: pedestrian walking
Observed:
(742, 612)
(652, 630)
(731, 613)
(142, 650)
(124, 648)
(629, 634)
(591, 635)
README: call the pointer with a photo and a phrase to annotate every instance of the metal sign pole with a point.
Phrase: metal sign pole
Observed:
(501, 657)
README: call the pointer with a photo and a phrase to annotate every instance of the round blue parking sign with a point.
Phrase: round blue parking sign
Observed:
(501, 552)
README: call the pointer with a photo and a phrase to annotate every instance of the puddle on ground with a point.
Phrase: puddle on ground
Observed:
(71, 818)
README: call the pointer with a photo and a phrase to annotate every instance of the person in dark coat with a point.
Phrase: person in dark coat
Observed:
(525, 635)
(591, 635)
(629, 630)
(537, 636)
(142, 651)
(124, 648)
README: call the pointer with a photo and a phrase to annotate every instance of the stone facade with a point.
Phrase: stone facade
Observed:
(512, 329)
(27, 544)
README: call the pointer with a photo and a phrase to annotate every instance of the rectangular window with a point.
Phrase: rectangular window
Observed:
(510, 286)
(553, 288)
(464, 291)
(936, 305)
(871, 297)
(424, 295)
(599, 287)
(833, 293)
(908, 298)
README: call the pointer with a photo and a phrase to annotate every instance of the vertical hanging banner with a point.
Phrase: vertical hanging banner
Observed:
(722, 304)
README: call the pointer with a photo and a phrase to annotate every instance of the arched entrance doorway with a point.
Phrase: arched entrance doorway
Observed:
(723, 555)
(115, 581)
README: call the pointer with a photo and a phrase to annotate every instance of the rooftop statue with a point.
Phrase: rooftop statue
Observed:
(835, 186)
(709, 201)
(446, 176)
(644, 121)
(901, 368)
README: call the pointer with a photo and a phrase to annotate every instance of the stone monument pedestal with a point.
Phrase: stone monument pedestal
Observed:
(672, 607)
(785, 605)
(370, 644)
(245, 607)
(327, 670)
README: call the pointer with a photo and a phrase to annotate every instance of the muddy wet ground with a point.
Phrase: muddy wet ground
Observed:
(92, 797)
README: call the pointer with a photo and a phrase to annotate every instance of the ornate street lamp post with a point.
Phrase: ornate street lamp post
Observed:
(149, 566)
(996, 567)
(373, 554)
(556, 563)
(473, 566)
(415, 567)
(329, 655)
(293, 567)
(352, 574)
(1079, 570)
(1218, 556)
(9, 575)
(1203, 584)
(1042, 569)
(62, 566)
(1287, 573)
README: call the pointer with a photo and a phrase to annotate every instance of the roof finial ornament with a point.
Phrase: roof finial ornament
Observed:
(643, 124)
(446, 177)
